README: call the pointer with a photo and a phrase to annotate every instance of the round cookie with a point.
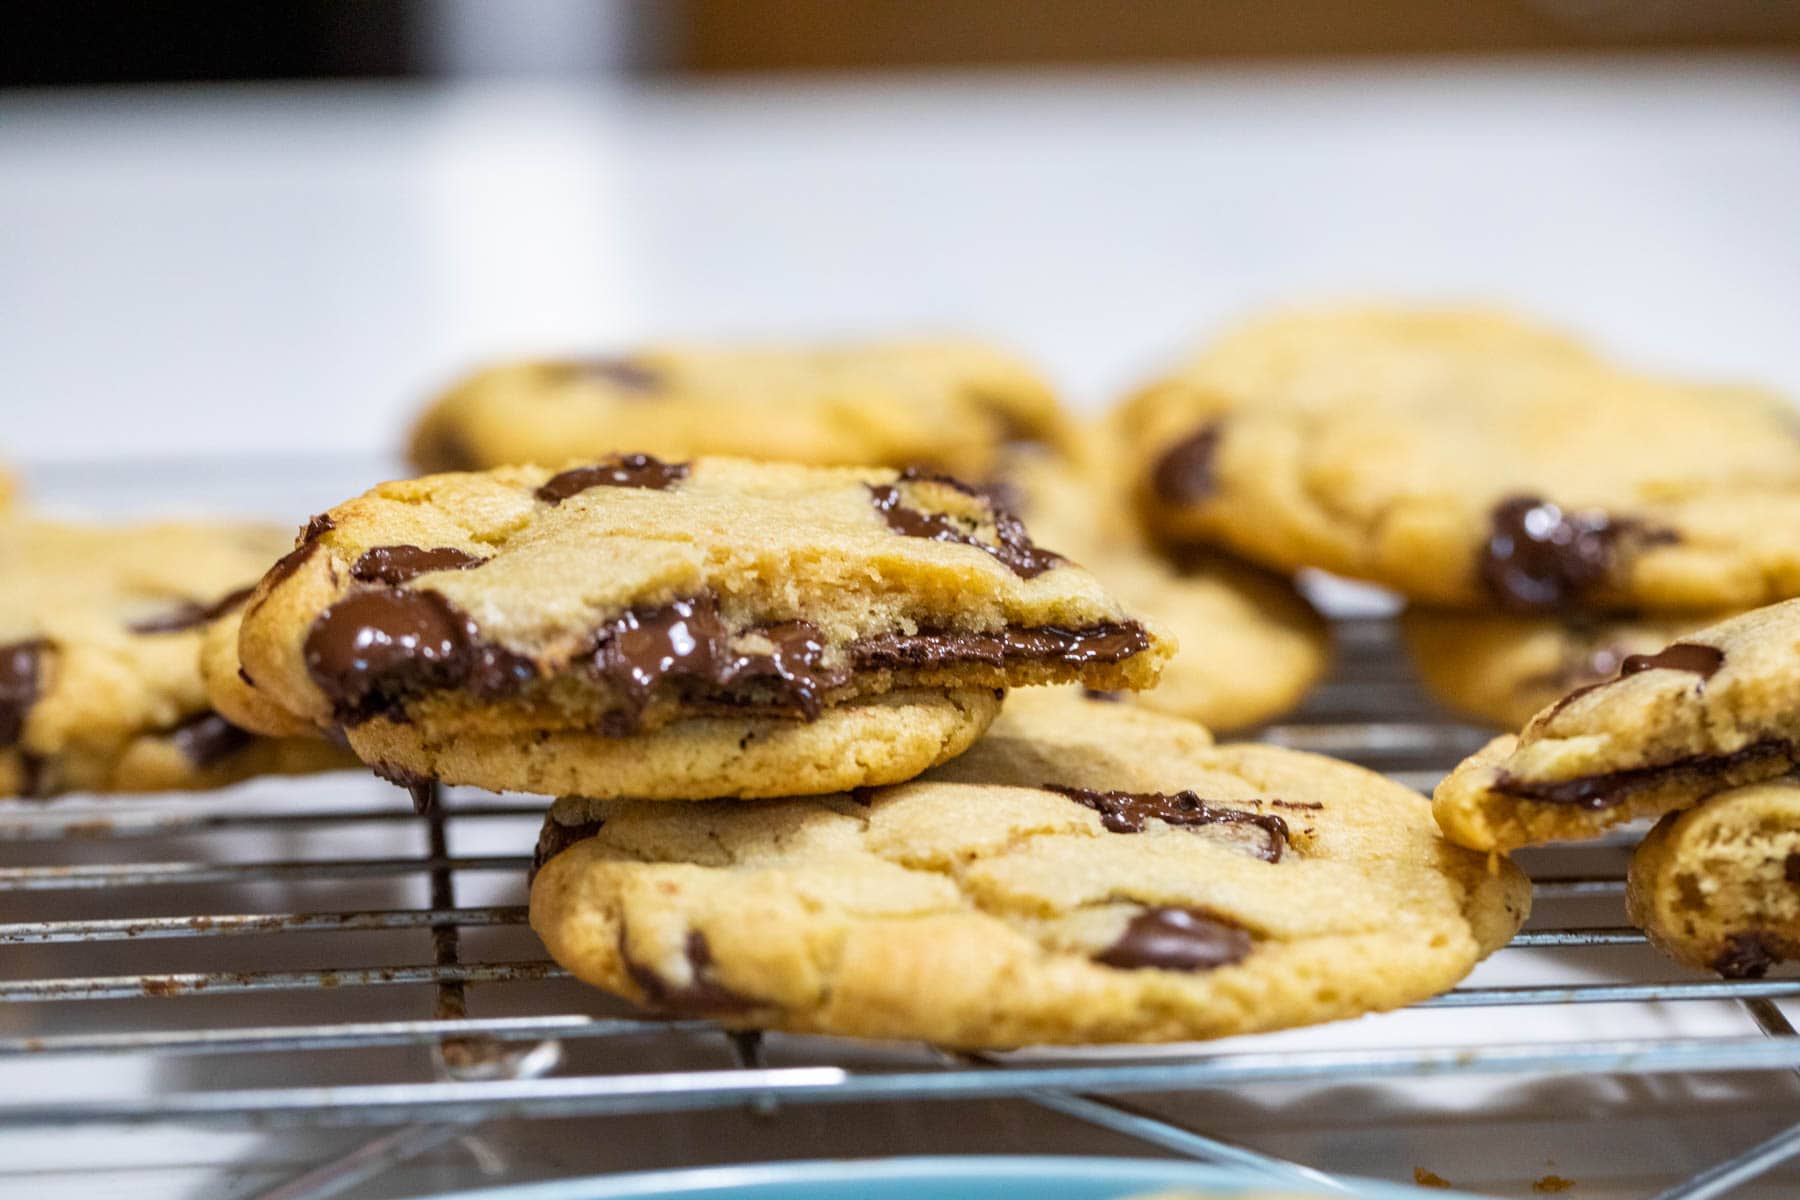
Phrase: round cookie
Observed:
(1087, 872)
(1501, 668)
(1718, 708)
(1468, 459)
(1250, 646)
(947, 404)
(679, 630)
(100, 636)
(1718, 885)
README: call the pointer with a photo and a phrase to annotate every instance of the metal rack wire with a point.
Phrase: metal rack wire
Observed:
(490, 1059)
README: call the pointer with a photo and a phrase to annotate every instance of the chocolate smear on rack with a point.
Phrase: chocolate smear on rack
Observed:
(624, 471)
(1176, 939)
(397, 564)
(1128, 812)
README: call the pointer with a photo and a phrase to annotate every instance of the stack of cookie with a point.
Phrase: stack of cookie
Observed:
(769, 697)
(1560, 527)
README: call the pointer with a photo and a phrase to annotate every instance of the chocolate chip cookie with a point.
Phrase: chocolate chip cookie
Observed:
(1718, 708)
(675, 630)
(948, 405)
(1718, 885)
(1502, 668)
(1088, 872)
(1250, 646)
(1467, 459)
(100, 635)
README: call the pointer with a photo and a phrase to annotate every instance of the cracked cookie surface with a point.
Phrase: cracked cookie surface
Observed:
(1502, 668)
(946, 404)
(100, 637)
(1468, 459)
(675, 630)
(1249, 645)
(1088, 872)
(1717, 886)
(1718, 708)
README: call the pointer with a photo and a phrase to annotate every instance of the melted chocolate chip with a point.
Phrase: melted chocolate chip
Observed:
(397, 564)
(1703, 661)
(191, 616)
(1128, 812)
(209, 738)
(1746, 956)
(622, 373)
(375, 649)
(21, 673)
(1184, 474)
(1539, 558)
(626, 470)
(317, 527)
(1176, 939)
(683, 640)
(1613, 788)
(287, 564)
(422, 789)
(1109, 643)
(700, 995)
(556, 837)
(1015, 550)
(797, 662)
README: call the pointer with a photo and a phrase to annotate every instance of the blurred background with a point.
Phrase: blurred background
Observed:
(275, 228)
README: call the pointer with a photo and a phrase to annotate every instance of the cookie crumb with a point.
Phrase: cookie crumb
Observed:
(1549, 1185)
(1430, 1179)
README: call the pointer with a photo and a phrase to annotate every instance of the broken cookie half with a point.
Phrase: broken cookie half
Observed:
(664, 630)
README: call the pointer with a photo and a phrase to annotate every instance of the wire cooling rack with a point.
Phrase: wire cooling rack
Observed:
(309, 956)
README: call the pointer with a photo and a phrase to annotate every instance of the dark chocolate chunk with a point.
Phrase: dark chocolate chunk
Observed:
(396, 564)
(1184, 474)
(189, 615)
(1110, 643)
(622, 373)
(1176, 939)
(1703, 661)
(208, 738)
(317, 527)
(1612, 788)
(422, 789)
(21, 674)
(796, 663)
(625, 470)
(1539, 558)
(1746, 956)
(1015, 549)
(375, 649)
(699, 996)
(683, 640)
(556, 837)
(1127, 812)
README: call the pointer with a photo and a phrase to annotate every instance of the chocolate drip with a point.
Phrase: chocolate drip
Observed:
(375, 649)
(1015, 551)
(21, 674)
(1703, 661)
(556, 837)
(208, 738)
(190, 615)
(622, 373)
(396, 564)
(1612, 788)
(1128, 812)
(1539, 558)
(287, 564)
(1176, 939)
(625, 470)
(1109, 643)
(701, 995)
(1184, 474)
(421, 789)
(1746, 956)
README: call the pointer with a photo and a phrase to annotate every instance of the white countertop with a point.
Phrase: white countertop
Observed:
(291, 269)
